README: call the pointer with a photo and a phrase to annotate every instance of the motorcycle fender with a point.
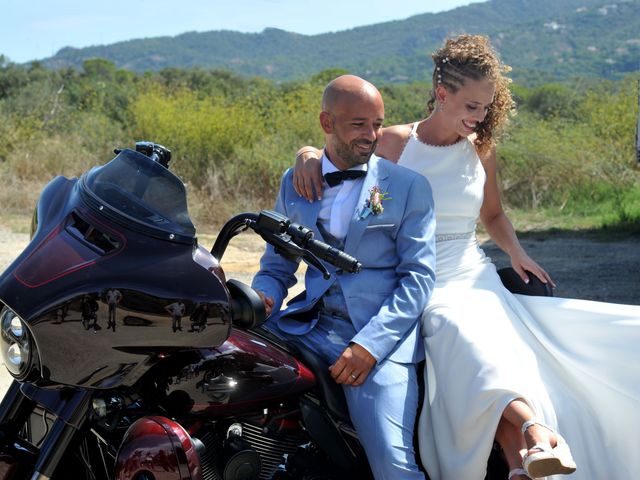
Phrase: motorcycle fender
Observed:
(158, 446)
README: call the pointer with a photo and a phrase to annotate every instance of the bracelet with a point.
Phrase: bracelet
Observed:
(305, 150)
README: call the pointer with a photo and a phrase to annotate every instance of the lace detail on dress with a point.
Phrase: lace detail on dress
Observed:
(414, 134)
(443, 237)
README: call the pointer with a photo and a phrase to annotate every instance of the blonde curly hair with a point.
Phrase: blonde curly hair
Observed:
(473, 57)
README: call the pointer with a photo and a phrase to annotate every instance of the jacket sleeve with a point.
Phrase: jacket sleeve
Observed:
(277, 274)
(415, 248)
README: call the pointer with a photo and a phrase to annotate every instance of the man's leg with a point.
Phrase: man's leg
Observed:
(383, 411)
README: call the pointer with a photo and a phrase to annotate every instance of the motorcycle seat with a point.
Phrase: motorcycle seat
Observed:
(512, 281)
(330, 393)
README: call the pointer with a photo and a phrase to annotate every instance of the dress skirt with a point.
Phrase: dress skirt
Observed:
(575, 362)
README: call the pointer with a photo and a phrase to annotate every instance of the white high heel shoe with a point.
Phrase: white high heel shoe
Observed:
(547, 461)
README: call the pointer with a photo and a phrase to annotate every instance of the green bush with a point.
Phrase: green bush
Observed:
(570, 150)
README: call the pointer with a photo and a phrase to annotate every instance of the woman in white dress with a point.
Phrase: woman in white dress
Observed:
(501, 366)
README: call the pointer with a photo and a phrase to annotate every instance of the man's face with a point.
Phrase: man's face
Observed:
(353, 129)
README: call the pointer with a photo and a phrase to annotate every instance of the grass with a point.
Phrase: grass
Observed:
(603, 225)
(16, 223)
(606, 215)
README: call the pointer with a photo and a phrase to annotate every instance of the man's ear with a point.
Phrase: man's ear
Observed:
(326, 122)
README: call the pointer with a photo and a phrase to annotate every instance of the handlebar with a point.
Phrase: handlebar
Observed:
(289, 239)
(303, 237)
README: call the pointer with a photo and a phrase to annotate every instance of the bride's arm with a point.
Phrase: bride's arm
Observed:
(501, 229)
(307, 174)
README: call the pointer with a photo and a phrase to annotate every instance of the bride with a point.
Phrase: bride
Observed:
(517, 370)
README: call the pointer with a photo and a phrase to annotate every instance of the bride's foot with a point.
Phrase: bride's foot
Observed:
(538, 434)
(547, 454)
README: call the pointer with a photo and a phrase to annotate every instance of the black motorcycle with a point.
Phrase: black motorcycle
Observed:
(134, 357)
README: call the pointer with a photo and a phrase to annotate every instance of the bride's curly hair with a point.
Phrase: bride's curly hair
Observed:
(473, 57)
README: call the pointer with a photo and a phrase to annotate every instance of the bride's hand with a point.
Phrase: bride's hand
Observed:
(307, 174)
(522, 263)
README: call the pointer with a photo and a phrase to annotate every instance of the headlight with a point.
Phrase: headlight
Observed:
(16, 344)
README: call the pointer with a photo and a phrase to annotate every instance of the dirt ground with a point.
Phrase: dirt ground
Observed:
(582, 265)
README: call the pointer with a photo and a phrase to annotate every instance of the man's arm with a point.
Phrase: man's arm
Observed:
(415, 246)
(277, 274)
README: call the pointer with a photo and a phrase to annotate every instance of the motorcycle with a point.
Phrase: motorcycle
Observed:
(134, 358)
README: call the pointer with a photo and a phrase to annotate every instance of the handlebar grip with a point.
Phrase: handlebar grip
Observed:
(332, 255)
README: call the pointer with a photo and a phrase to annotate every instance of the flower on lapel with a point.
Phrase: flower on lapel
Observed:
(373, 205)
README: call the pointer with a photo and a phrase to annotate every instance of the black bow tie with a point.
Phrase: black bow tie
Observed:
(336, 178)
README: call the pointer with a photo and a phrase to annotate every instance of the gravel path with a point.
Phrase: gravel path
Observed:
(582, 266)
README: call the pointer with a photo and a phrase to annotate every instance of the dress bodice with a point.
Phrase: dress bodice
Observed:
(457, 179)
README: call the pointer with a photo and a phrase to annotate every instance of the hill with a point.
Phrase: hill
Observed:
(543, 40)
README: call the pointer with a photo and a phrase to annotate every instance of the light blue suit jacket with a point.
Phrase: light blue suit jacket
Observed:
(397, 251)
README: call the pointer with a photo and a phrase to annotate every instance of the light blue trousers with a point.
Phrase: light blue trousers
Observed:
(383, 409)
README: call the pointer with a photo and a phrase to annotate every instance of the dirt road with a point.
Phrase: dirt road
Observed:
(581, 265)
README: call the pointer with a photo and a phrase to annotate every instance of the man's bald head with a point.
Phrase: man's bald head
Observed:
(351, 117)
(346, 89)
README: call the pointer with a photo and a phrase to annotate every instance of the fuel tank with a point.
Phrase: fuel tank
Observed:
(243, 373)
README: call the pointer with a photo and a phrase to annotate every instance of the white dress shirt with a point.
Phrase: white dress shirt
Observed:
(339, 203)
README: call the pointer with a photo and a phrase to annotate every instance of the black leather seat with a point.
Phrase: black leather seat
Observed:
(331, 394)
(512, 281)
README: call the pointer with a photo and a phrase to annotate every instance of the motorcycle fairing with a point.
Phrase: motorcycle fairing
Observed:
(107, 291)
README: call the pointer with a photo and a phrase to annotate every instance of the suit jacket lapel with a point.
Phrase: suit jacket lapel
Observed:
(376, 175)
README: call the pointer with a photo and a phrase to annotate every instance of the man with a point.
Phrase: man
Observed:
(365, 326)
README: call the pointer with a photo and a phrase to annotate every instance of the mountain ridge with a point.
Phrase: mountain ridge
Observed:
(555, 39)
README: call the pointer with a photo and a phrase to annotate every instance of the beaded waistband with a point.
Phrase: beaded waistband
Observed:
(443, 237)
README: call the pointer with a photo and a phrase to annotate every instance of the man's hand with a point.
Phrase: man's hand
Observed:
(353, 366)
(268, 302)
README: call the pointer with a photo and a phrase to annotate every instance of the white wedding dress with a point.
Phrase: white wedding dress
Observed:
(575, 362)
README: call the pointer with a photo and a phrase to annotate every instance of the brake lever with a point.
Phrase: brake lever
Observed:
(314, 261)
(283, 247)
(290, 250)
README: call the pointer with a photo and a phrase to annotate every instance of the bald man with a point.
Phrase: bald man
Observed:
(364, 326)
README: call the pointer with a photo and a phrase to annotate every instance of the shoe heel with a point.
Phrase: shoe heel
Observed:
(563, 454)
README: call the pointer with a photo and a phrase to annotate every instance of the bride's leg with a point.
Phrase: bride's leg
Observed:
(547, 452)
(518, 412)
(513, 446)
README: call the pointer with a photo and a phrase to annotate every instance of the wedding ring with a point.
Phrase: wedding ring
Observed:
(353, 376)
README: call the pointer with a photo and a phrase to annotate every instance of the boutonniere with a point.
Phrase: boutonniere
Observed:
(373, 205)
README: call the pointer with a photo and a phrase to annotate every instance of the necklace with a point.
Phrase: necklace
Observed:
(426, 126)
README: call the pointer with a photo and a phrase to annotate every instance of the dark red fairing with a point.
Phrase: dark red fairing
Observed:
(159, 446)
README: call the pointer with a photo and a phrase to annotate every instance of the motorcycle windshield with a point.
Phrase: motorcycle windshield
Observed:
(141, 193)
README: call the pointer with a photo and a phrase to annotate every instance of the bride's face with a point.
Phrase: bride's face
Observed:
(466, 108)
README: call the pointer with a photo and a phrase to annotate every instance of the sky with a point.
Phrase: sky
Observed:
(37, 29)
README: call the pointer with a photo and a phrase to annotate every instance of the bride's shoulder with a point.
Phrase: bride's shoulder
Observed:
(487, 156)
(393, 140)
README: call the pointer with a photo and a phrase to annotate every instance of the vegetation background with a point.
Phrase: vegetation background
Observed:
(568, 158)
